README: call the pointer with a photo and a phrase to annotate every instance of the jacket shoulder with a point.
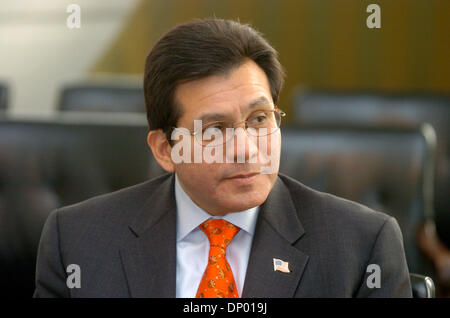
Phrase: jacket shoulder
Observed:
(318, 207)
(114, 207)
(342, 238)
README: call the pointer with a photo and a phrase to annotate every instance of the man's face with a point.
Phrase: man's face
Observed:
(221, 188)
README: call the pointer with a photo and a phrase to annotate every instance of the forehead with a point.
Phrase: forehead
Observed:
(228, 93)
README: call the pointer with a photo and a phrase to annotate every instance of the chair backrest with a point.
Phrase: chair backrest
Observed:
(366, 108)
(3, 97)
(46, 164)
(102, 98)
(422, 286)
(385, 169)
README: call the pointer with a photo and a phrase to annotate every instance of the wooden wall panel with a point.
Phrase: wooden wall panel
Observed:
(322, 43)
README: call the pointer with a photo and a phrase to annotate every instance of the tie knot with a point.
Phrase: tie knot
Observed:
(219, 231)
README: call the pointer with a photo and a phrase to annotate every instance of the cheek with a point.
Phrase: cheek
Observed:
(274, 144)
(269, 153)
(199, 176)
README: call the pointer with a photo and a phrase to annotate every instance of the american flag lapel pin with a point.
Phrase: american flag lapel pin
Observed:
(279, 265)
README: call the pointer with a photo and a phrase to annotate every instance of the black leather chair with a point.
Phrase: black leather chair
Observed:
(3, 96)
(102, 97)
(422, 286)
(46, 164)
(370, 108)
(387, 169)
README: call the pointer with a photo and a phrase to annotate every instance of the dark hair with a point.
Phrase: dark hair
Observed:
(198, 49)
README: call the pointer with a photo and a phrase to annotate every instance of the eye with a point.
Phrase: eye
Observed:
(214, 127)
(258, 118)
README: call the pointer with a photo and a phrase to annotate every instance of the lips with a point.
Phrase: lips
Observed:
(243, 175)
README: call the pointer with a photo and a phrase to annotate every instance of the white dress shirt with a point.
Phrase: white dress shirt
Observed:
(193, 245)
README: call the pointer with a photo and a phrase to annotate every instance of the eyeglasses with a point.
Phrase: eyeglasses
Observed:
(259, 123)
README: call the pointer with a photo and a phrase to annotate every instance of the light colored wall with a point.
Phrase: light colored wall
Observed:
(38, 51)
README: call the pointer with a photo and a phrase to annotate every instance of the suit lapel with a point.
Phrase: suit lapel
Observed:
(277, 229)
(149, 255)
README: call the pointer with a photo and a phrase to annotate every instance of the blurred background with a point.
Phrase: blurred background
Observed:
(368, 111)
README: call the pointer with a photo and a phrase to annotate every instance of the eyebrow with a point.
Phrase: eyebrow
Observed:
(260, 101)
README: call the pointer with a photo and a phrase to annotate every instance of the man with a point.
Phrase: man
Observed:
(226, 227)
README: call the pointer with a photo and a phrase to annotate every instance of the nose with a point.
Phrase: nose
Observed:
(242, 148)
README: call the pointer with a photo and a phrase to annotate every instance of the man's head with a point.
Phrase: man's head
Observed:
(213, 69)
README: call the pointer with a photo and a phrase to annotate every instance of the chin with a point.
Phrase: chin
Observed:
(244, 201)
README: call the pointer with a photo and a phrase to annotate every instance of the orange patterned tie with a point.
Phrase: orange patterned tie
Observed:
(218, 280)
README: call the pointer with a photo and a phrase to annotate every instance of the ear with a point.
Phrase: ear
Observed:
(158, 143)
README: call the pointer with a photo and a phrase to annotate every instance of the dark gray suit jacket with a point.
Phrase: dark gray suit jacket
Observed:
(125, 245)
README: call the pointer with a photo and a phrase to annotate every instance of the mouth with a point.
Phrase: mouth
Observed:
(243, 178)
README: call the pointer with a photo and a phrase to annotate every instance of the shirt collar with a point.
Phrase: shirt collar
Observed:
(190, 215)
